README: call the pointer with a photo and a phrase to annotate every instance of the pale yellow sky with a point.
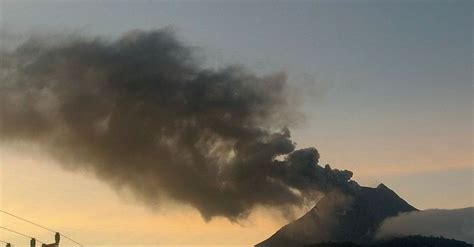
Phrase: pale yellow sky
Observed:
(36, 187)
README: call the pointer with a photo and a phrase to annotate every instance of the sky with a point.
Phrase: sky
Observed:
(391, 101)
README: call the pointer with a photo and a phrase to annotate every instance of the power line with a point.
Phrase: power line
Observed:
(5, 242)
(70, 239)
(38, 225)
(18, 217)
(21, 234)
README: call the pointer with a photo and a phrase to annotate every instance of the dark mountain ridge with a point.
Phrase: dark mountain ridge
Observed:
(342, 217)
(409, 241)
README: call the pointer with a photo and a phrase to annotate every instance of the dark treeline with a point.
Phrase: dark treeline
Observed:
(410, 241)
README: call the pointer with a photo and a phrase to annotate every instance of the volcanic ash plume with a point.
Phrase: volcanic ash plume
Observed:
(142, 113)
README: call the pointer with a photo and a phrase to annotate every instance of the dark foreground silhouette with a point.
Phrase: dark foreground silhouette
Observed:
(410, 241)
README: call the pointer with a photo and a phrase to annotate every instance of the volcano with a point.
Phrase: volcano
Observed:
(341, 217)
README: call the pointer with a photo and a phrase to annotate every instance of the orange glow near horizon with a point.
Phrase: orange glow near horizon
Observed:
(35, 187)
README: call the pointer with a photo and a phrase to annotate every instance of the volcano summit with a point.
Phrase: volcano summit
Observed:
(342, 217)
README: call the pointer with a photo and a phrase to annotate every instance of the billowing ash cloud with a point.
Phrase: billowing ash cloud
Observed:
(455, 223)
(142, 113)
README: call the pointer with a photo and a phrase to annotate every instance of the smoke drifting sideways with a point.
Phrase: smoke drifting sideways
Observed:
(141, 112)
(448, 223)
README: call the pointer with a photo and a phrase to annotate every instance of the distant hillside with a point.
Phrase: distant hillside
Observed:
(410, 241)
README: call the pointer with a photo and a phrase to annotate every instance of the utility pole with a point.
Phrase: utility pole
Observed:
(57, 238)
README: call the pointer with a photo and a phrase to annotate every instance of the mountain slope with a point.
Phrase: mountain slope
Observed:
(341, 217)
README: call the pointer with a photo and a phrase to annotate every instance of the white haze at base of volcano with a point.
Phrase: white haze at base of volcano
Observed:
(448, 223)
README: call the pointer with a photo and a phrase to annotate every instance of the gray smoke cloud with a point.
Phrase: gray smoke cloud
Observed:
(455, 223)
(141, 112)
